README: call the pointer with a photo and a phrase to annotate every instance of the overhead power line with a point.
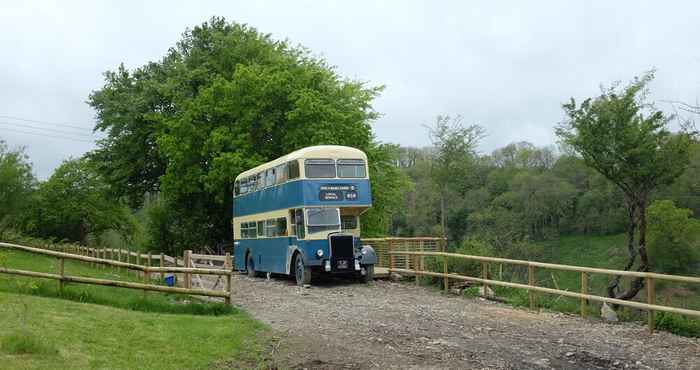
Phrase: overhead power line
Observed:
(49, 135)
(48, 123)
(62, 132)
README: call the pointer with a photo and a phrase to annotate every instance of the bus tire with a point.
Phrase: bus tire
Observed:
(250, 266)
(368, 277)
(302, 273)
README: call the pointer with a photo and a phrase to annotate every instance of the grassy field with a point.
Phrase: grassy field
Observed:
(102, 327)
(608, 251)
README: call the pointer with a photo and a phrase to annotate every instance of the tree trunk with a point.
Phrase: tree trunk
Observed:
(631, 229)
(637, 284)
(442, 214)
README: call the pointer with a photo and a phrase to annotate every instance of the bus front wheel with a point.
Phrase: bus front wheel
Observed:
(302, 273)
(368, 277)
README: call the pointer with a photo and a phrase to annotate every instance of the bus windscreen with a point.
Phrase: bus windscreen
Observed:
(322, 219)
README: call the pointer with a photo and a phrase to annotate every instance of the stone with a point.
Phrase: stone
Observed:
(607, 313)
(485, 291)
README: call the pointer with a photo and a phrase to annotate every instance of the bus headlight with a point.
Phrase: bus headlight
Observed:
(319, 253)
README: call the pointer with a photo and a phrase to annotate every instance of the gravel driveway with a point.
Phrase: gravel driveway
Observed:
(389, 325)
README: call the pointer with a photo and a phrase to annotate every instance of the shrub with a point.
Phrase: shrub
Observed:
(26, 344)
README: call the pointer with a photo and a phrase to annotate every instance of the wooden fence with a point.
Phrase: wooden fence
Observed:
(650, 306)
(120, 259)
(383, 247)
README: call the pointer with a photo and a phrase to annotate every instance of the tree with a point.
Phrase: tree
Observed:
(74, 203)
(226, 98)
(16, 184)
(454, 153)
(627, 141)
(674, 238)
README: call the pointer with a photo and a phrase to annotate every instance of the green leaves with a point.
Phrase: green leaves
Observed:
(226, 98)
(74, 203)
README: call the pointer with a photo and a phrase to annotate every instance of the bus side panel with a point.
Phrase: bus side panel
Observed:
(239, 255)
(269, 254)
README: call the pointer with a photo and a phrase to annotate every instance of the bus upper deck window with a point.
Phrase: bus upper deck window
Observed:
(354, 168)
(293, 168)
(319, 168)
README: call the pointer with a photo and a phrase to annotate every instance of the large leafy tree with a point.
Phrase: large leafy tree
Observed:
(454, 156)
(16, 184)
(224, 99)
(628, 142)
(74, 203)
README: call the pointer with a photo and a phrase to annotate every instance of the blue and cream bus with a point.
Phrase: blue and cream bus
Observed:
(299, 214)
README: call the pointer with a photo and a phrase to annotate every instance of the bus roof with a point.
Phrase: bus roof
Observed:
(315, 152)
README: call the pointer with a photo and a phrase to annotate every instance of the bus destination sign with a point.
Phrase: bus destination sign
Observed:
(337, 192)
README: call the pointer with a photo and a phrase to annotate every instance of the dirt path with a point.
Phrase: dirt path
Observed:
(388, 325)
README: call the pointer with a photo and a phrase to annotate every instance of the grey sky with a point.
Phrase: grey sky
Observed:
(504, 65)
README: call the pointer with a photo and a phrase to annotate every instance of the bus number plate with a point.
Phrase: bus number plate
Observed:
(342, 264)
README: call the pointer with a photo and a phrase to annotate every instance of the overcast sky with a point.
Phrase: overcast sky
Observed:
(507, 66)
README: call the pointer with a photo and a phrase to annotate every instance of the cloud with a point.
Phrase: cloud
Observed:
(504, 65)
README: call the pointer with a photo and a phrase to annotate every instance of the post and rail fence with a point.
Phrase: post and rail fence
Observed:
(142, 264)
(650, 278)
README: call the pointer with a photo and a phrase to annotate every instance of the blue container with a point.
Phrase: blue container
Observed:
(170, 280)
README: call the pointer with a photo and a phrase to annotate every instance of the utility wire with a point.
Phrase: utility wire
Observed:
(46, 129)
(45, 122)
(51, 136)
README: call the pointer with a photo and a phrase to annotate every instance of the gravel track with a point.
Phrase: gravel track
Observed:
(339, 324)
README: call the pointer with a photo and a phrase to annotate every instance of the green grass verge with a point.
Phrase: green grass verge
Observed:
(48, 333)
(117, 297)
(95, 327)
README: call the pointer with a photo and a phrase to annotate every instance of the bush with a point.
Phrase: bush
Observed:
(677, 324)
(26, 344)
(673, 238)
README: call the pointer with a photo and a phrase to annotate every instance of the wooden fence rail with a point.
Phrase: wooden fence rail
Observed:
(531, 287)
(86, 255)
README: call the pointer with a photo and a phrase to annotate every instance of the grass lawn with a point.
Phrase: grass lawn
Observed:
(103, 327)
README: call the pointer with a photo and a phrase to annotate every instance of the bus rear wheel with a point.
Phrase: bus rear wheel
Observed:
(302, 273)
(250, 267)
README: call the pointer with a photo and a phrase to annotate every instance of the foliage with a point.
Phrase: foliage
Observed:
(677, 324)
(674, 238)
(21, 343)
(224, 99)
(16, 185)
(454, 151)
(389, 184)
(73, 204)
(628, 142)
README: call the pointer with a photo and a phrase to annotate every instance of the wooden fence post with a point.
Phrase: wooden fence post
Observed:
(61, 271)
(485, 276)
(584, 290)
(148, 263)
(531, 282)
(445, 279)
(414, 262)
(162, 264)
(651, 299)
(390, 248)
(229, 268)
(119, 258)
(188, 262)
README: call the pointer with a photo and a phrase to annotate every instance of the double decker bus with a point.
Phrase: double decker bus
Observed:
(299, 214)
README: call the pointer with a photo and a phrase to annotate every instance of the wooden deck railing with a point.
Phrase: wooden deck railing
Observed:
(650, 306)
(104, 257)
(382, 246)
